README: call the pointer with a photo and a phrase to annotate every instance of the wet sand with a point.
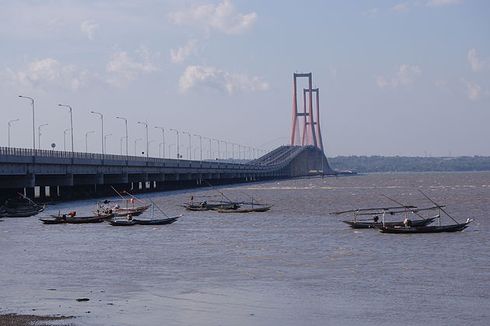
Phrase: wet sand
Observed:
(29, 320)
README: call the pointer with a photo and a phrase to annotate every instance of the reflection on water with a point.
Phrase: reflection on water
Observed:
(294, 265)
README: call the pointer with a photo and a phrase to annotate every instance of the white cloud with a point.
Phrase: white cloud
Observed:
(123, 69)
(475, 62)
(401, 7)
(180, 54)
(222, 17)
(405, 75)
(440, 3)
(48, 72)
(212, 77)
(89, 28)
(473, 90)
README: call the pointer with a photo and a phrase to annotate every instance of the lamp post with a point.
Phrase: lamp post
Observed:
(105, 141)
(71, 122)
(135, 141)
(102, 129)
(86, 139)
(170, 150)
(178, 145)
(146, 127)
(39, 134)
(151, 141)
(190, 143)
(218, 154)
(9, 126)
(64, 138)
(209, 145)
(127, 139)
(200, 144)
(33, 122)
(121, 145)
(163, 140)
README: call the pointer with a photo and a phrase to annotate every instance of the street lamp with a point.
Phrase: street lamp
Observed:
(86, 139)
(190, 143)
(105, 141)
(64, 138)
(135, 141)
(146, 126)
(219, 152)
(71, 122)
(178, 145)
(127, 139)
(163, 140)
(39, 134)
(209, 145)
(33, 122)
(200, 144)
(102, 129)
(121, 145)
(10, 125)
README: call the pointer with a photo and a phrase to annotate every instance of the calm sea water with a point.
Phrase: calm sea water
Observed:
(295, 265)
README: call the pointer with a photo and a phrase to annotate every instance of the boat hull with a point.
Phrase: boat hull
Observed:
(373, 225)
(163, 221)
(424, 229)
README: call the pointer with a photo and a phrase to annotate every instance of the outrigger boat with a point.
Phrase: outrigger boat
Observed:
(410, 228)
(257, 209)
(21, 207)
(71, 218)
(374, 221)
(131, 207)
(129, 221)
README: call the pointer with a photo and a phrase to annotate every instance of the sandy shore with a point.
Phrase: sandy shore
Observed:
(29, 320)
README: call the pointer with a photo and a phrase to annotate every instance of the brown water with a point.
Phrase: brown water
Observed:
(294, 265)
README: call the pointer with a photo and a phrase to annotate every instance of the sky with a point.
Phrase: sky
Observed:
(408, 78)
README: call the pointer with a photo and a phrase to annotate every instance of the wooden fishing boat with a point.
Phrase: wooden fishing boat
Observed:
(205, 206)
(21, 207)
(256, 209)
(409, 228)
(161, 221)
(67, 219)
(370, 217)
(134, 211)
(425, 229)
(24, 212)
(122, 222)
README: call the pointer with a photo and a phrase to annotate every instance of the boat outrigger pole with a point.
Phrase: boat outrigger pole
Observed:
(410, 209)
(440, 207)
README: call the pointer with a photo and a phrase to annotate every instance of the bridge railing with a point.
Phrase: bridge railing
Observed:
(42, 153)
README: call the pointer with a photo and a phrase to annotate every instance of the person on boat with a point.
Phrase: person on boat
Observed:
(407, 222)
(376, 219)
(129, 217)
(204, 204)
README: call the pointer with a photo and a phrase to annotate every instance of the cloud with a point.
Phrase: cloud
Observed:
(89, 28)
(473, 90)
(405, 75)
(401, 7)
(48, 72)
(214, 78)
(180, 54)
(475, 62)
(441, 3)
(222, 17)
(123, 69)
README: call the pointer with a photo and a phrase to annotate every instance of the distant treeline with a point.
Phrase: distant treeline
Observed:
(409, 164)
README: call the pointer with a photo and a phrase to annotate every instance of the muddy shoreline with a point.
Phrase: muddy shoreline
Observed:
(29, 320)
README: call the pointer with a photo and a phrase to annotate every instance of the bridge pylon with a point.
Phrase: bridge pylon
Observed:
(306, 125)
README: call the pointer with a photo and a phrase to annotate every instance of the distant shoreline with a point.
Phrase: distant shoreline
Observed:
(372, 164)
